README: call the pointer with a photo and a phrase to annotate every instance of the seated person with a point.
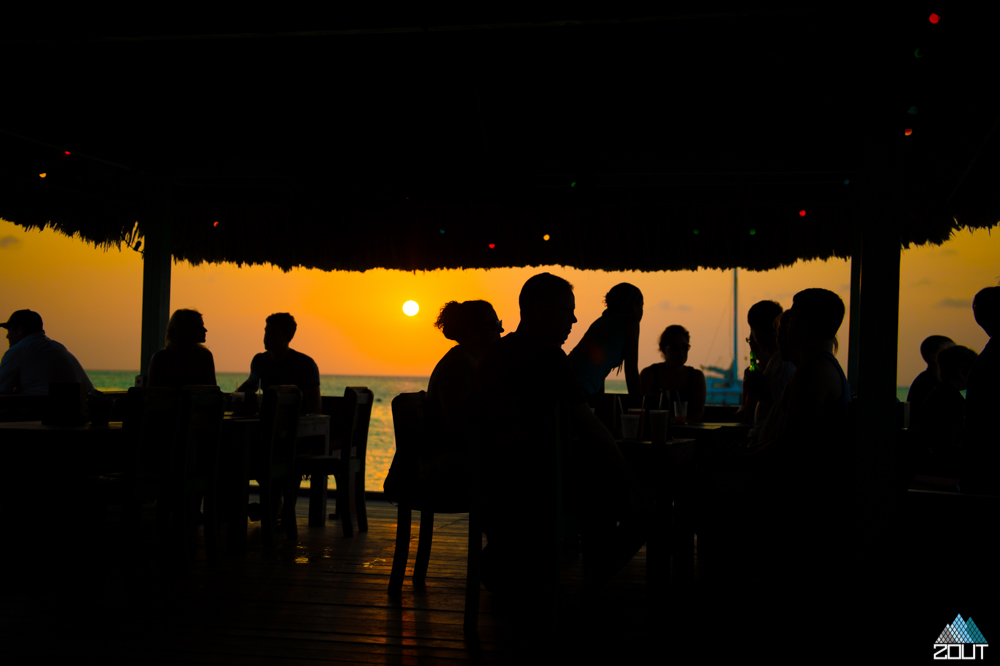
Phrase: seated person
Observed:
(776, 371)
(521, 422)
(981, 453)
(922, 384)
(684, 382)
(280, 365)
(185, 360)
(942, 418)
(34, 361)
(474, 325)
(611, 342)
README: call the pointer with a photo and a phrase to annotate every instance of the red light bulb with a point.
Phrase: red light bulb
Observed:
(908, 131)
(934, 18)
(66, 152)
(492, 246)
(215, 224)
(802, 213)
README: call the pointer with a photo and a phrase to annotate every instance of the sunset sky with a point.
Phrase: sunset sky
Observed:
(353, 323)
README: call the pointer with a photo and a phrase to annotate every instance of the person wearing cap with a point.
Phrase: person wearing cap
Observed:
(33, 360)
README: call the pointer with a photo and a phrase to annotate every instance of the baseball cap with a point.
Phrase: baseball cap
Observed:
(32, 321)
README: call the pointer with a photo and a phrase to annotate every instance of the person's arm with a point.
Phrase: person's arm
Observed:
(8, 373)
(249, 386)
(631, 357)
(646, 380)
(696, 403)
(311, 401)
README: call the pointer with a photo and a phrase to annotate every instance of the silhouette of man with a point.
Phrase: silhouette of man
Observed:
(942, 420)
(776, 370)
(280, 365)
(982, 445)
(519, 414)
(34, 360)
(925, 382)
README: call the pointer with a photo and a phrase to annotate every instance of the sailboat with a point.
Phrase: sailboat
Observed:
(725, 387)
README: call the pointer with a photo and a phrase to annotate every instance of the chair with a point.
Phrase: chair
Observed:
(173, 439)
(410, 428)
(274, 458)
(349, 420)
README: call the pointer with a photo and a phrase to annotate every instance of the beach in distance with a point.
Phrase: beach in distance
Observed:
(381, 440)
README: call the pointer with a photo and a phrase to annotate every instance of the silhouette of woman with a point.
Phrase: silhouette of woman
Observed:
(611, 342)
(184, 360)
(474, 325)
(686, 383)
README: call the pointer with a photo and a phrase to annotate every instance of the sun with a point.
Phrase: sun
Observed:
(411, 308)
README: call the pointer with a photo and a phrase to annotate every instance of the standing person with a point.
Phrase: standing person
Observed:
(684, 382)
(185, 359)
(925, 382)
(518, 423)
(280, 365)
(611, 342)
(34, 360)
(981, 467)
(475, 326)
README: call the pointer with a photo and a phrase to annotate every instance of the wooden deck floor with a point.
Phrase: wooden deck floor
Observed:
(321, 599)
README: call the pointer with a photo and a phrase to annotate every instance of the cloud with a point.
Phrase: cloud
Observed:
(955, 303)
(921, 282)
(948, 252)
(9, 241)
(667, 305)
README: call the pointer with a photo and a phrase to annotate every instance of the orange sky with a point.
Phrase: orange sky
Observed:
(353, 323)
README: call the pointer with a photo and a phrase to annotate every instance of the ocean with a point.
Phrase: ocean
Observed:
(381, 439)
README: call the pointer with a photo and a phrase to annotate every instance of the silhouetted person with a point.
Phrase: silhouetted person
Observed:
(611, 342)
(518, 452)
(775, 372)
(942, 420)
(34, 361)
(982, 445)
(923, 383)
(474, 325)
(281, 366)
(684, 382)
(185, 360)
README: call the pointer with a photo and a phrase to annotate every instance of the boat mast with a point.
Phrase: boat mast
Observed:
(736, 329)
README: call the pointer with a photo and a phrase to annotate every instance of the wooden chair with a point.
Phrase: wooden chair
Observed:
(272, 465)
(349, 420)
(173, 439)
(409, 424)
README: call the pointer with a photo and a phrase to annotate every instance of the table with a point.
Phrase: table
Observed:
(88, 448)
(238, 435)
(667, 470)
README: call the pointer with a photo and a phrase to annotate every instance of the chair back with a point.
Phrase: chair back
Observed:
(409, 426)
(149, 423)
(279, 417)
(199, 429)
(362, 399)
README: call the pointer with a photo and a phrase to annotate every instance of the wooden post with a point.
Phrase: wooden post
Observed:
(156, 260)
(854, 344)
(877, 351)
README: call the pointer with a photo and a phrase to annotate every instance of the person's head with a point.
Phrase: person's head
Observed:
(625, 299)
(816, 317)
(469, 323)
(955, 364)
(986, 309)
(547, 308)
(761, 318)
(930, 347)
(186, 327)
(675, 341)
(21, 324)
(279, 329)
(781, 324)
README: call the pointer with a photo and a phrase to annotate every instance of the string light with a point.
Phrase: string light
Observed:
(41, 175)
(573, 184)
(441, 230)
(66, 152)
(802, 213)
(934, 18)
(545, 237)
(695, 232)
(753, 232)
(917, 54)
(492, 246)
(913, 111)
(908, 131)
(847, 181)
(215, 224)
